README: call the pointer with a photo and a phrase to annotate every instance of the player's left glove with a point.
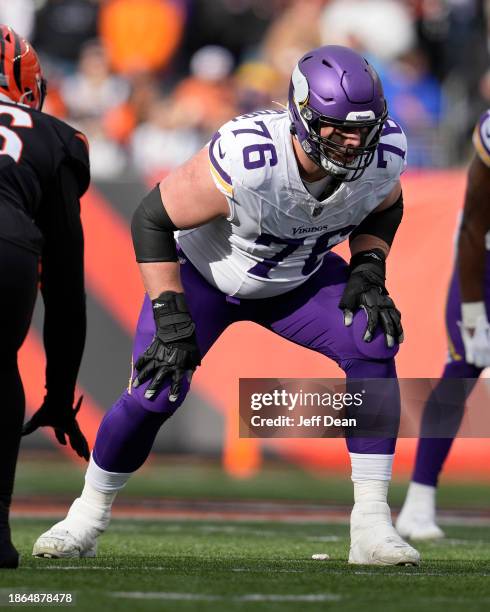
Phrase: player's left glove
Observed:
(366, 289)
(174, 353)
(475, 332)
(63, 419)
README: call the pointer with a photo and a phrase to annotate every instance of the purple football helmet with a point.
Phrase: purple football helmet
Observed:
(335, 86)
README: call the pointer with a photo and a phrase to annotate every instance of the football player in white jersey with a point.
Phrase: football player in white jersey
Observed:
(258, 211)
(469, 344)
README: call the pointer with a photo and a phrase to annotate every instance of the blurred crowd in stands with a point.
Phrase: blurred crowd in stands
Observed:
(149, 81)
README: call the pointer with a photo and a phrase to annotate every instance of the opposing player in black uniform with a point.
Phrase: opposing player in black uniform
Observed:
(44, 170)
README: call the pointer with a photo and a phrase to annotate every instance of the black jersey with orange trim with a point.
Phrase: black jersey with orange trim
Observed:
(33, 148)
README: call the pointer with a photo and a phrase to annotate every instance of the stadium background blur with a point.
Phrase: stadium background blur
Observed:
(149, 81)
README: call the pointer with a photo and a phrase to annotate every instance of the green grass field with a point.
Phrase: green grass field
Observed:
(225, 566)
(247, 565)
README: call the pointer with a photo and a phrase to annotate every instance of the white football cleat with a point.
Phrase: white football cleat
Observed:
(415, 526)
(62, 541)
(374, 540)
(417, 519)
(76, 535)
(418, 524)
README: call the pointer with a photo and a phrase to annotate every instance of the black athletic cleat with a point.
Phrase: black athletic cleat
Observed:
(9, 557)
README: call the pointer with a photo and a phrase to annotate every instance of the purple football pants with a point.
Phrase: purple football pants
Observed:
(308, 316)
(432, 452)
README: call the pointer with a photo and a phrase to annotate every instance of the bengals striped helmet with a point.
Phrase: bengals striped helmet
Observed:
(21, 77)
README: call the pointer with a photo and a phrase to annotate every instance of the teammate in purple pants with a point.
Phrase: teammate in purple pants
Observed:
(258, 211)
(469, 340)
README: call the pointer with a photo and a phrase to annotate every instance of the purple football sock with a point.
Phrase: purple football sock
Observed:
(443, 413)
(380, 410)
(126, 435)
(431, 454)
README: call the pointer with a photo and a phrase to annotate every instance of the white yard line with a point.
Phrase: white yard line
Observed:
(415, 573)
(317, 515)
(307, 598)
(272, 571)
(313, 597)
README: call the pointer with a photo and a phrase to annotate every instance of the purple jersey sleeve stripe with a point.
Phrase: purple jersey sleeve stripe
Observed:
(214, 162)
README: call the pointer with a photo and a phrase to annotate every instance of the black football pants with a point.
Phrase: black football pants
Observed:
(18, 287)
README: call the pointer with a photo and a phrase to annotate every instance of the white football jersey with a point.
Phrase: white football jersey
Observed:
(277, 233)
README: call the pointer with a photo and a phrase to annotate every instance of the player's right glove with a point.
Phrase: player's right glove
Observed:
(366, 289)
(174, 351)
(475, 332)
(63, 419)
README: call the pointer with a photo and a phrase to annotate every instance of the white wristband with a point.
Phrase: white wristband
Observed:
(471, 312)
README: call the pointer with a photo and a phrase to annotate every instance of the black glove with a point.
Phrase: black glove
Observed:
(174, 351)
(366, 289)
(64, 422)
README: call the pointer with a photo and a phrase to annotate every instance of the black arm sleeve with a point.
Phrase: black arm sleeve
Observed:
(152, 230)
(62, 285)
(382, 224)
(78, 159)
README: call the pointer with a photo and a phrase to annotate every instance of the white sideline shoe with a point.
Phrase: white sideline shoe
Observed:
(416, 524)
(417, 518)
(63, 542)
(374, 540)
